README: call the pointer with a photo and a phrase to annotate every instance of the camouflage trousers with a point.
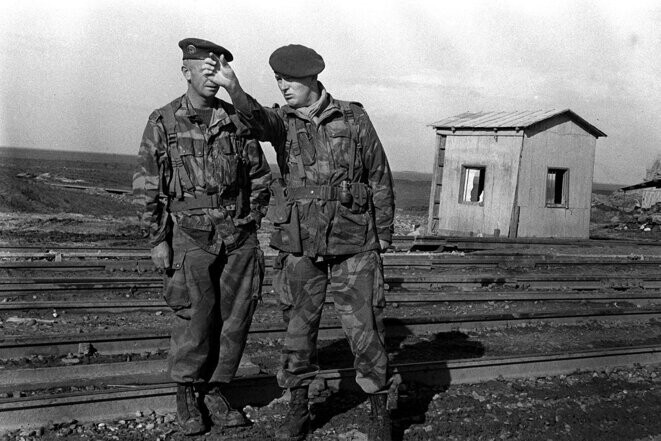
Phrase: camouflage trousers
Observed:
(214, 298)
(356, 284)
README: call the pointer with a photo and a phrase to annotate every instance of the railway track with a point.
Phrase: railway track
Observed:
(414, 282)
(84, 304)
(152, 393)
(408, 261)
(77, 281)
(400, 243)
(122, 342)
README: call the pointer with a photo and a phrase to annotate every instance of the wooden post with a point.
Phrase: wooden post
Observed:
(514, 219)
(436, 184)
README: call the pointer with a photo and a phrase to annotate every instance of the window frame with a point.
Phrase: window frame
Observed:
(462, 183)
(565, 187)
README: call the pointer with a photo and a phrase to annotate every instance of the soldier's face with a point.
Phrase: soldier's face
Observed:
(298, 92)
(192, 70)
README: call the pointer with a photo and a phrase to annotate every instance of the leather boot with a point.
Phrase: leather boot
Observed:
(380, 427)
(297, 421)
(220, 411)
(189, 416)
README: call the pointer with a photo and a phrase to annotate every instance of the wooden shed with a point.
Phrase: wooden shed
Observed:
(650, 192)
(513, 174)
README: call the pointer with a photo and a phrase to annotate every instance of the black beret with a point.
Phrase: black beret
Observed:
(296, 61)
(198, 49)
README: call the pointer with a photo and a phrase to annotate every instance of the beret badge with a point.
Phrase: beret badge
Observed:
(191, 49)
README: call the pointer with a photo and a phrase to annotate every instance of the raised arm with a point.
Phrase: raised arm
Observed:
(266, 124)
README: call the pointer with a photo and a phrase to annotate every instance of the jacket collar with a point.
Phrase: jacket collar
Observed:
(219, 118)
(330, 110)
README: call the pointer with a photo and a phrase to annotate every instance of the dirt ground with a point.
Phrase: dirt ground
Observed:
(620, 404)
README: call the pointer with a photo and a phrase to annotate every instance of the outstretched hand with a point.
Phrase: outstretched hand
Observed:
(161, 255)
(220, 72)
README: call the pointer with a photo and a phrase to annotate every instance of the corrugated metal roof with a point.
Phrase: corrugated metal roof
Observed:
(509, 120)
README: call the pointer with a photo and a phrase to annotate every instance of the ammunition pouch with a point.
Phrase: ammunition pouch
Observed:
(284, 216)
(361, 197)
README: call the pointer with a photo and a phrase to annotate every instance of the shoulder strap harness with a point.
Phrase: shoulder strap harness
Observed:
(180, 174)
(350, 119)
(296, 128)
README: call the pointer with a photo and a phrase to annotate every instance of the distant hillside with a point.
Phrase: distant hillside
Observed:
(412, 176)
(605, 189)
(65, 155)
(76, 165)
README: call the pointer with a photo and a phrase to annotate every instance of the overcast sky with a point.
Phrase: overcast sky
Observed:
(83, 75)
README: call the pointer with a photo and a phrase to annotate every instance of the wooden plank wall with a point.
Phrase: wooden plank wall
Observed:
(650, 196)
(556, 143)
(500, 155)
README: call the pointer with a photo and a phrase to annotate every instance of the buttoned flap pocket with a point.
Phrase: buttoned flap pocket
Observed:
(186, 146)
(350, 228)
(175, 291)
(229, 169)
(199, 222)
(279, 213)
(227, 141)
(339, 135)
(258, 274)
(281, 281)
(224, 161)
(305, 147)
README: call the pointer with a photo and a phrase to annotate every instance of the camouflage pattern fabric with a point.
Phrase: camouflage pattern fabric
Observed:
(220, 159)
(217, 265)
(356, 284)
(214, 298)
(319, 154)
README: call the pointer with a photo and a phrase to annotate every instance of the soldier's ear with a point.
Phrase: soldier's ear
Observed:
(186, 72)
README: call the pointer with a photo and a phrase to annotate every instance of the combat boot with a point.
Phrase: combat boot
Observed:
(297, 421)
(220, 411)
(189, 416)
(380, 426)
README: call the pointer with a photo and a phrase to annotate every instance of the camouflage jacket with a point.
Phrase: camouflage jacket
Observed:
(220, 163)
(314, 159)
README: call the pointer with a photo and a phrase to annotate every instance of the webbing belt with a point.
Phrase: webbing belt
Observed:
(323, 192)
(202, 201)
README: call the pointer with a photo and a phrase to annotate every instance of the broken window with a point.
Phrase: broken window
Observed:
(557, 180)
(472, 185)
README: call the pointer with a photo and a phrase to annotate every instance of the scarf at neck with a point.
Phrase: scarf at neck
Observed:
(314, 110)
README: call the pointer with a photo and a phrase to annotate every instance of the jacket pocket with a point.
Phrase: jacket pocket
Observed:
(175, 289)
(227, 170)
(281, 282)
(341, 146)
(280, 213)
(349, 228)
(378, 291)
(258, 274)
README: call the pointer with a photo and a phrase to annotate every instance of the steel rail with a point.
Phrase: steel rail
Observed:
(406, 239)
(426, 260)
(409, 297)
(36, 411)
(393, 281)
(110, 343)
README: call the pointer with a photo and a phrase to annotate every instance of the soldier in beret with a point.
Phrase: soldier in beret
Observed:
(333, 217)
(203, 182)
